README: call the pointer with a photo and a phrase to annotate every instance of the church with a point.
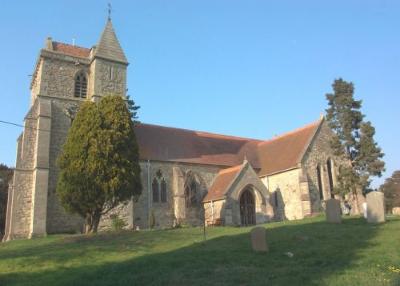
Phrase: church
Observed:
(189, 177)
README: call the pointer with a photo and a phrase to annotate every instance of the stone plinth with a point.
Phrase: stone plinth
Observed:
(259, 239)
(396, 211)
(332, 211)
(375, 207)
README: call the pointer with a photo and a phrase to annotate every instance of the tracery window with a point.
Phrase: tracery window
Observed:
(330, 177)
(156, 193)
(80, 89)
(163, 191)
(319, 178)
(191, 194)
(159, 187)
(276, 199)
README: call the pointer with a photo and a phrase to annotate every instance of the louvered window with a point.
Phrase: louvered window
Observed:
(80, 85)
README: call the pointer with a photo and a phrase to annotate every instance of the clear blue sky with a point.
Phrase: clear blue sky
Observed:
(246, 68)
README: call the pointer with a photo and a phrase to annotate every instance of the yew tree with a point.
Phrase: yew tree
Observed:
(99, 162)
(353, 140)
(391, 189)
(6, 174)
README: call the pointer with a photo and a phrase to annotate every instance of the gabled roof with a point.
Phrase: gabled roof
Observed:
(109, 47)
(71, 50)
(286, 151)
(180, 145)
(222, 183)
(279, 154)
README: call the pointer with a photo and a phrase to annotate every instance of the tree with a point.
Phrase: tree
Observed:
(391, 189)
(6, 174)
(133, 108)
(353, 140)
(99, 162)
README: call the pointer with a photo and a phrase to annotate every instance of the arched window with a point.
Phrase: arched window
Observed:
(276, 199)
(163, 191)
(156, 192)
(191, 194)
(330, 177)
(80, 85)
(319, 178)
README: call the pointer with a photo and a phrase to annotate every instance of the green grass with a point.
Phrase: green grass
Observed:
(353, 253)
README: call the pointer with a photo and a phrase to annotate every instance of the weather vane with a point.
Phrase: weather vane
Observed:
(109, 11)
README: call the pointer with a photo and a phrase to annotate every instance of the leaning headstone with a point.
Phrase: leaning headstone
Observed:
(375, 207)
(333, 211)
(259, 239)
(396, 211)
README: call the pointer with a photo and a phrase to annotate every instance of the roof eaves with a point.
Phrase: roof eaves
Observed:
(280, 171)
(231, 183)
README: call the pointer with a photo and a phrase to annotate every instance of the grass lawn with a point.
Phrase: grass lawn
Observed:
(353, 253)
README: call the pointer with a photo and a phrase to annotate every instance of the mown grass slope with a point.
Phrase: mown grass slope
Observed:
(352, 253)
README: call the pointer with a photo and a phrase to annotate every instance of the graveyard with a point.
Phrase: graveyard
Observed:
(307, 252)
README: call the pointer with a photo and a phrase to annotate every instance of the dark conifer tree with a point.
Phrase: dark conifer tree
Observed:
(99, 162)
(353, 140)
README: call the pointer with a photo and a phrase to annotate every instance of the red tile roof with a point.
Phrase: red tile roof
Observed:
(286, 151)
(71, 50)
(180, 145)
(222, 183)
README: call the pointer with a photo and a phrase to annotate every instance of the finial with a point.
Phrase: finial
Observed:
(321, 116)
(109, 10)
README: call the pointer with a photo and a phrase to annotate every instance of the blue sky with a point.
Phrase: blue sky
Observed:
(246, 68)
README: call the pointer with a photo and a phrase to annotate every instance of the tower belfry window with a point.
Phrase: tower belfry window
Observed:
(80, 85)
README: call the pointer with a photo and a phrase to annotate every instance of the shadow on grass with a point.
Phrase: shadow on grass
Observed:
(320, 251)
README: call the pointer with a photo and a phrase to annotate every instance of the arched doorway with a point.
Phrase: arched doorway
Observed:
(247, 208)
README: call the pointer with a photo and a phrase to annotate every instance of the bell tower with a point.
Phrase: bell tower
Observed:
(108, 66)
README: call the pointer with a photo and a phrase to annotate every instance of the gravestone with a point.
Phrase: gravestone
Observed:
(333, 211)
(364, 206)
(375, 207)
(396, 211)
(228, 217)
(259, 239)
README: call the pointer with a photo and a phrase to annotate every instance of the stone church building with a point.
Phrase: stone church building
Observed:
(188, 176)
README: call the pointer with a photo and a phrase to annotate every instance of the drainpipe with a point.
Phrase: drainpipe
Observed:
(212, 212)
(149, 190)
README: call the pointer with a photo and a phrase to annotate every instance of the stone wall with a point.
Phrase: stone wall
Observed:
(36, 80)
(174, 210)
(286, 186)
(214, 211)
(58, 75)
(107, 78)
(20, 213)
(21, 205)
(317, 155)
(247, 179)
(57, 218)
(123, 212)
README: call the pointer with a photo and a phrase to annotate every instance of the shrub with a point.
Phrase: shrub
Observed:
(117, 223)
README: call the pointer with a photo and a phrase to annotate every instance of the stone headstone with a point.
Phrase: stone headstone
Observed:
(364, 206)
(228, 217)
(333, 211)
(396, 211)
(259, 239)
(375, 207)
